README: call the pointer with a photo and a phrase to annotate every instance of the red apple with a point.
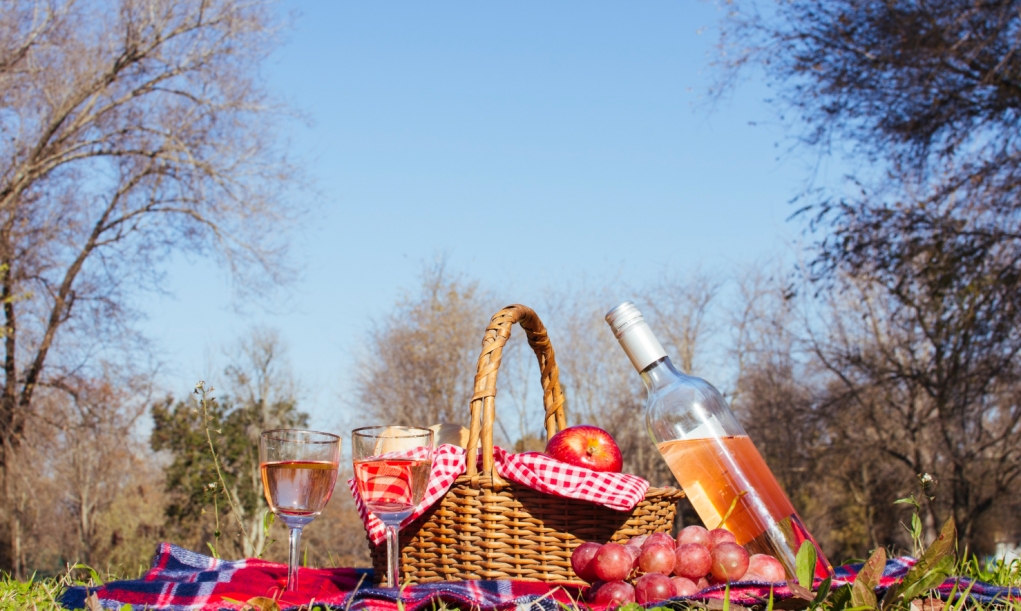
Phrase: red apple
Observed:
(586, 446)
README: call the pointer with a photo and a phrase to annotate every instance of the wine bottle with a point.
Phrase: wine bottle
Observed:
(706, 448)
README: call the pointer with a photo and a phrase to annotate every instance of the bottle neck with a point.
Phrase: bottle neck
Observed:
(659, 374)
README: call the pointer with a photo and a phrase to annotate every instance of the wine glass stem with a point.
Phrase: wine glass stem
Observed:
(293, 546)
(393, 556)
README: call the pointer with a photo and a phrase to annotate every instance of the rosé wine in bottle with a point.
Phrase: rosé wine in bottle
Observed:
(708, 451)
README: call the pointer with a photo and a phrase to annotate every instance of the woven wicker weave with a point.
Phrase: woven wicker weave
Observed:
(488, 528)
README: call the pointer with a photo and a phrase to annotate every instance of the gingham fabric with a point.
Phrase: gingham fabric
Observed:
(620, 491)
(180, 580)
(538, 471)
(448, 464)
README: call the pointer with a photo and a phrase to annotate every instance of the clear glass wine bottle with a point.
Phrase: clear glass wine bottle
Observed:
(706, 448)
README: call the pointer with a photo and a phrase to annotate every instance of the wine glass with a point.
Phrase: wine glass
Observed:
(391, 467)
(299, 469)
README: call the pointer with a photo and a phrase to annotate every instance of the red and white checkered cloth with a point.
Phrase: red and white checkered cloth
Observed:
(620, 491)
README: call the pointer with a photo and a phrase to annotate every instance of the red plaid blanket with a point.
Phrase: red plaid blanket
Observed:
(180, 580)
(619, 491)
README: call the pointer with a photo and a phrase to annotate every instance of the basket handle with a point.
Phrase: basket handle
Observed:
(483, 402)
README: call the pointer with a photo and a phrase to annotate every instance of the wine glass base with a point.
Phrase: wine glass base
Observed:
(293, 521)
(393, 519)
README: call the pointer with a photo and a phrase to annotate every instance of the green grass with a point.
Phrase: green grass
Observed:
(34, 594)
(42, 594)
(998, 574)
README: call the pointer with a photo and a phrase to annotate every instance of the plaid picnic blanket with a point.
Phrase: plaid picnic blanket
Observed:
(620, 491)
(180, 580)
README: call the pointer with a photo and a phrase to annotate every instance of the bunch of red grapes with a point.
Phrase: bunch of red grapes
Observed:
(640, 570)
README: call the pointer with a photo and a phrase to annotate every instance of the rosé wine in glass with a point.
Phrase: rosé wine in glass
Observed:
(298, 487)
(391, 469)
(299, 469)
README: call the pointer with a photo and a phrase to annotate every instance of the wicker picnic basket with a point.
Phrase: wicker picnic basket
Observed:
(489, 528)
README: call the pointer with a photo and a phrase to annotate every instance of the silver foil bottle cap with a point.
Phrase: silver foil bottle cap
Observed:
(640, 344)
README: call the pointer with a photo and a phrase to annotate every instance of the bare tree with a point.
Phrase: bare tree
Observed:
(82, 465)
(94, 453)
(680, 309)
(263, 387)
(933, 384)
(431, 344)
(918, 268)
(419, 364)
(261, 395)
(259, 376)
(128, 132)
(915, 83)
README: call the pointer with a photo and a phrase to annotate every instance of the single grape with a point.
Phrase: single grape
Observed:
(612, 593)
(659, 539)
(764, 568)
(657, 559)
(730, 561)
(653, 587)
(635, 552)
(612, 562)
(639, 540)
(702, 584)
(581, 561)
(692, 560)
(693, 534)
(720, 535)
(684, 586)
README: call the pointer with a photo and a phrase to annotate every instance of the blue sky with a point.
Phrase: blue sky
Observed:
(531, 144)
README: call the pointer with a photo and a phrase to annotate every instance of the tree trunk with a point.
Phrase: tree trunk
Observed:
(16, 552)
(85, 530)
